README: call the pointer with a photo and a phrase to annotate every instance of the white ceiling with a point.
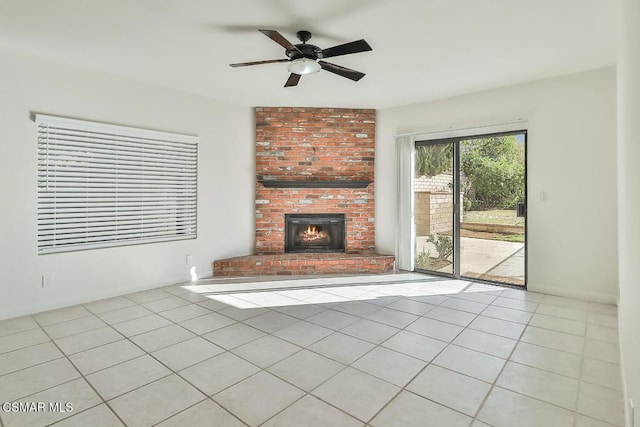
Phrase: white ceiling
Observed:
(422, 49)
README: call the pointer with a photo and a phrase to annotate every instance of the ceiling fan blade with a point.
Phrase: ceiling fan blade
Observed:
(279, 38)
(269, 61)
(341, 71)
(292, 80)
(346, 49)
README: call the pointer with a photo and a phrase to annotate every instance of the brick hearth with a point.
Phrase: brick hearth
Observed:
(332, 149)
(298, 264)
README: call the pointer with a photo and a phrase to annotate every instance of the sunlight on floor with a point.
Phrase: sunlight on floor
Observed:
(392, 349)
(291, 292)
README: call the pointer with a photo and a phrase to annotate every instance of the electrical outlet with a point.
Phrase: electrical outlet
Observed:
(46, 281)
(189, 259)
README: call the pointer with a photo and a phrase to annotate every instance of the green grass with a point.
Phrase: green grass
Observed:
(502, 217)
(511, 238)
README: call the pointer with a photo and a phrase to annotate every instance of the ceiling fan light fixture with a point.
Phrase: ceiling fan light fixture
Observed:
(304, 66)
(306, 58)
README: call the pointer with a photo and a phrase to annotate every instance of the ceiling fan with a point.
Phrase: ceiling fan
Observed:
(306, 58)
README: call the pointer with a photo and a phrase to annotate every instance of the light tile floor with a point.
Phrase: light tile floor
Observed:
(385, 350)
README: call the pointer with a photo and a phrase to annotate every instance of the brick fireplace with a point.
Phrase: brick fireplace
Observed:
(314, 233)
(313, 161)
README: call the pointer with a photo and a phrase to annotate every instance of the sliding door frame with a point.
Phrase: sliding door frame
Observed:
(455, 141)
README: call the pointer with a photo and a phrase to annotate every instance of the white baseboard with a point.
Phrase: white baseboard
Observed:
(205, 275)
(83, 298)
(625, 392)
(576, 293)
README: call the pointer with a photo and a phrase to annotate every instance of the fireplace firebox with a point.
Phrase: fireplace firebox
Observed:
(314, 233)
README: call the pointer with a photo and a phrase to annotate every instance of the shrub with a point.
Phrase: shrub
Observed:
(443, 244)
(495, 170)
(467, 204)
(423, 260)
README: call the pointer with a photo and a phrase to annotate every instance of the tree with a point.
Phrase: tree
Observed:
(494, 168)
(433, 159)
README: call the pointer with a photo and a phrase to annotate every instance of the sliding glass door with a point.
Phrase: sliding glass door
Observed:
(434, 207)
(470, 205)
(492, 187)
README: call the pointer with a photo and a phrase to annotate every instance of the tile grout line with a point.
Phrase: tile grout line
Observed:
(418, 373)
(111, 325)
(506, 360)
(206, 399)
(19, 332)
(298, 319)
(345, 367)
(402, 297)
(494, 383)
(207, 396)
(319, 286)
(327, 379)
(172, 372)
(431, 362)
(83, 378)
(91, 385)
(582, 356)
(578, 380)
(306, 393)
(411, 380)
(376, 345)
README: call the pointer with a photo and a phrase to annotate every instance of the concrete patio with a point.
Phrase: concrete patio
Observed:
(482, 257)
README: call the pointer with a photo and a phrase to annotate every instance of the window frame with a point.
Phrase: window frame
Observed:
(120, 165)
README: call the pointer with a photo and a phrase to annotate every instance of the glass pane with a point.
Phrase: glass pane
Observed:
(492, 185)
(433, 189)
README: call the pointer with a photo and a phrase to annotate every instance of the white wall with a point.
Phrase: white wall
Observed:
(225, 184)
(629, 199)
(571, 156)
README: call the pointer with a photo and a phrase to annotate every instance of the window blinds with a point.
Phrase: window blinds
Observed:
(103, 185)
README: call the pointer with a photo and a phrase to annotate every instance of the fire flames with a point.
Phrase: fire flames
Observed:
(312, 233)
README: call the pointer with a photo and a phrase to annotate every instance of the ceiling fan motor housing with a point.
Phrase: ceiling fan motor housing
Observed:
(304, 51)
